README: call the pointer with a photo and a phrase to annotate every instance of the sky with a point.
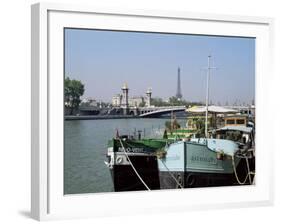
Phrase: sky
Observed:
(104, 60)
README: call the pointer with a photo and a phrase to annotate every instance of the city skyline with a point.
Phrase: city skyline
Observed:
(105, 60)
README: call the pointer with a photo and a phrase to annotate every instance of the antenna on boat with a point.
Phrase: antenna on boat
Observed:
(207, 94)
(172, 115)
(116, 133)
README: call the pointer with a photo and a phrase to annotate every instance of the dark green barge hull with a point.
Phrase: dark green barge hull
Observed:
(143, 156)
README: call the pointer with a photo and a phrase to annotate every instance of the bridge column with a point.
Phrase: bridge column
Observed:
(148, 97)
(125, 103)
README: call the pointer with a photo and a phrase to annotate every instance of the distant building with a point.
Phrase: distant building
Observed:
(124, 101)
(117, 100)
(136, 101)
(91, 102)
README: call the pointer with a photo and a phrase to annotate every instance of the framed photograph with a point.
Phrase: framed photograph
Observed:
(130, 107)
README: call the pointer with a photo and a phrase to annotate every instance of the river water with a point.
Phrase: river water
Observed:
(85, 147)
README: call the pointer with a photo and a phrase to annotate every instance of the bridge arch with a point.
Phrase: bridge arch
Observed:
(156, 112)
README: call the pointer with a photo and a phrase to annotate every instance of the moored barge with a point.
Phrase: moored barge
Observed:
(133, 163)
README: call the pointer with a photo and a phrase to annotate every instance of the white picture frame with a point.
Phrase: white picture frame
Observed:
(48, 201)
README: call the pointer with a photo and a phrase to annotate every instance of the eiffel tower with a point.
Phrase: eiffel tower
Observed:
(178, 94)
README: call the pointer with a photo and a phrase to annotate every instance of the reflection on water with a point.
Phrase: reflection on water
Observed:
(85, 147)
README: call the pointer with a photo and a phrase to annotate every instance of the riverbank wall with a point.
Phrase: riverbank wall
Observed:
(99, 117)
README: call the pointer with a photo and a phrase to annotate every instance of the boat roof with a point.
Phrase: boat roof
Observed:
(212, 109)
(236, 116)
(236, 128)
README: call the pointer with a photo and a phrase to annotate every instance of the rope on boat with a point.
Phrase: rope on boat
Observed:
(248, 169)
(133, 166)
(178, 183)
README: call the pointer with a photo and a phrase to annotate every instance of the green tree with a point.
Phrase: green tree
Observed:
(200, 126)
(174, 101)
(73, 90)
(142, 104)
(158, 102)
(172, 125)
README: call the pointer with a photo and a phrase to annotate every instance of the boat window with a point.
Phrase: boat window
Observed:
(230, 121)
(240, 121)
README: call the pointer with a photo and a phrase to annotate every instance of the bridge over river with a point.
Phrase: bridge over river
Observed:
(158, 111)
(118, 112)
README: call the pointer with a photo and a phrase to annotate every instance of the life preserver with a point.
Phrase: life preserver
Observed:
(190, 181)
(119, 159)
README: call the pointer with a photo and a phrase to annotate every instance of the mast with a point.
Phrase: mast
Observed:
(207, 94)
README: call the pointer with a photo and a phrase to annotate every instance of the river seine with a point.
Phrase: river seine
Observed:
(85, 147)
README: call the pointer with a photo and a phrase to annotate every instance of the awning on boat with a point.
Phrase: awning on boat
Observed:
(236, 128)
(211, 109)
